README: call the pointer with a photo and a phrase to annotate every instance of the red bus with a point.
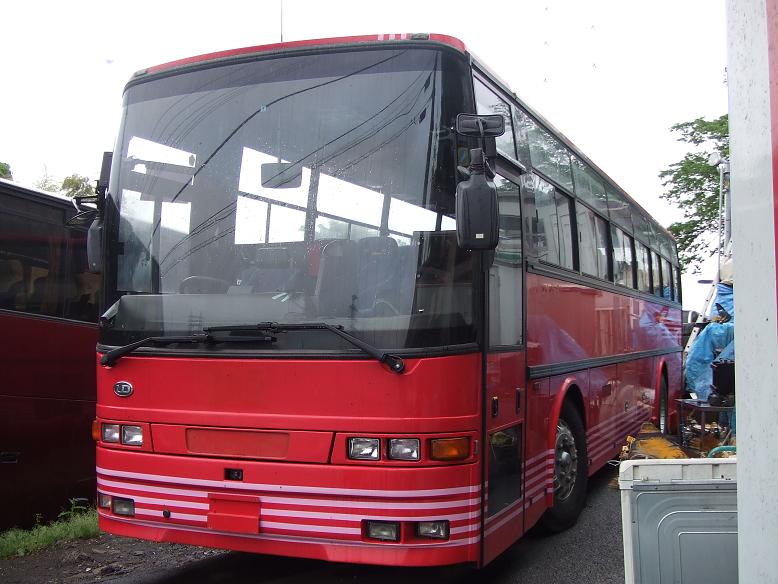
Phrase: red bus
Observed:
(48, 317)
(299, 358)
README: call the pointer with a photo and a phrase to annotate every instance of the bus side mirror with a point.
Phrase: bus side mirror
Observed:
(94, 245)
(476, 201)
(485, 127)
(476, 208)
(93, 214)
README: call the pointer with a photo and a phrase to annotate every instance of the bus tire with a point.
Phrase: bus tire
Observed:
(663, 421)
(570, 472)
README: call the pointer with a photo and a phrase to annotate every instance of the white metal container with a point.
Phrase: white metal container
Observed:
(679, 520)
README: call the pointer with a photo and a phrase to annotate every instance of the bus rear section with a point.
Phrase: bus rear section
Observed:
(48, 315)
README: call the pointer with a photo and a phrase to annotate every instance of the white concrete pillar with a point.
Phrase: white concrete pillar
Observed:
(752, 29)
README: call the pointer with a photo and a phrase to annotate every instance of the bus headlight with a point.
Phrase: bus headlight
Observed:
(404, 449)
(110, 433)
(383, 530)
(364, 448)
(124, 507)
(433, 529)
(132, 435)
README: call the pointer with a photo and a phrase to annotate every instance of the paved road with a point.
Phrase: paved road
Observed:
(589, 553)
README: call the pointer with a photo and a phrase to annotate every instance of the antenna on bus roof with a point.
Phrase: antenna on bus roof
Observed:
(282, 20)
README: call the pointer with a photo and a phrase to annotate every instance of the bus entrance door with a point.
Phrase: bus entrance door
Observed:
(503, 509)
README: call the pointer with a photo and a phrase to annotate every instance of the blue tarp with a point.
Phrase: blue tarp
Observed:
(714, 338)
(728, 353)
(726, 298)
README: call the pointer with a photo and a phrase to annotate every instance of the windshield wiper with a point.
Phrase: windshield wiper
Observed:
(395, 363)
(114, 355)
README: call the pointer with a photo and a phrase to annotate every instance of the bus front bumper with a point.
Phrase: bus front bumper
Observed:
(318, 511)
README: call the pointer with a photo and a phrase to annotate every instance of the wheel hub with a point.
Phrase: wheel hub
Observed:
(565, 462)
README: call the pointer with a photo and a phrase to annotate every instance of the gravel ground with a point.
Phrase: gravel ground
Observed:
(101, 559)
(590, 552)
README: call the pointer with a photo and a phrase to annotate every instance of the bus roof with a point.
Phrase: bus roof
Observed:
(16, 188)
(307, 44)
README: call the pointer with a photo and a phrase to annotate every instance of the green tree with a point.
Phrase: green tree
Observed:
(47, 182)
(5, 171)
(75, 184)
(692, 184)
(72, 185)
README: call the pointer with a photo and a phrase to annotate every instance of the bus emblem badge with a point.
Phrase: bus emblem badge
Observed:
(122, 388)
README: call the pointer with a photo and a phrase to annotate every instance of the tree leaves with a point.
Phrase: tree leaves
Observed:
(692, 184)
(71, 186)
(75, 185)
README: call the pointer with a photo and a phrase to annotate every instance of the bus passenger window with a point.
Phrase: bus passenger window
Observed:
(587, 249)
(643, 261)
(488, 103)
(550, 156)
(677, 297)
(566, 255)
(521, 125)
(38, 246)
(656, 278)
(622, 257)
(667, 280)
(506, 273)
(542, 227)
(11, 283)
(592, 242)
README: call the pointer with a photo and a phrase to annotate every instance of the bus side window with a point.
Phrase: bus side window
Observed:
(622, 257)
(667, 280)
(33, 249)
(656, 278)
(11, 283)
(587, 248)
(678, 297)
(82, 289)
(488, 103)
(644, 262)
(565, 225)
(542, 226)
(505, 275)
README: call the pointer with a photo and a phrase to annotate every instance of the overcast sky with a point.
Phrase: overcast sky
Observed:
(612, 75)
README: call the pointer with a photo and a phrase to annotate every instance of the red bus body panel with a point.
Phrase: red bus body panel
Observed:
(433, 395)
(304, 44)
(311, 498)
(47, 404)
(569, 322)
(313, 511)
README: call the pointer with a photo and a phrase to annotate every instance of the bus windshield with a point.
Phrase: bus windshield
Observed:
(316, 187)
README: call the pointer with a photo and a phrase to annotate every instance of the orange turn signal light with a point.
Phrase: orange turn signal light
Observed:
(95, 430)
(450, 448)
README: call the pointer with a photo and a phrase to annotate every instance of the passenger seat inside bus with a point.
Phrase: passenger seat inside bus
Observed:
(377, 275)
(336, 283)
(269, 272)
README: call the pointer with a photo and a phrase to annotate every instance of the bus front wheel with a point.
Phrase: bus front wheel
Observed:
(570, 472)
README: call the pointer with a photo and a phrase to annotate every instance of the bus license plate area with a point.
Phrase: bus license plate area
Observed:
(233, 513)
